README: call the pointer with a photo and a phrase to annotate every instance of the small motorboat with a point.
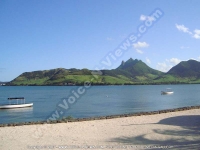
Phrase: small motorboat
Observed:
(168, 91)
(20, 104)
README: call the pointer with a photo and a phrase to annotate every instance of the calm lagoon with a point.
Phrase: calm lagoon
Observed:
(97, 100)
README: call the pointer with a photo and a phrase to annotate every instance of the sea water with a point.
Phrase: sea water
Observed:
(95, 101)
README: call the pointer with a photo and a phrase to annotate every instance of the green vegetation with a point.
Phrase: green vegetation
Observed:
(67, 118)
(129, 72)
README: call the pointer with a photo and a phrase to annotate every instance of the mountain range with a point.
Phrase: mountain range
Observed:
(129, 72)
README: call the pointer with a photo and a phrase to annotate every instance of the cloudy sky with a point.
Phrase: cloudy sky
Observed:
(48, 34)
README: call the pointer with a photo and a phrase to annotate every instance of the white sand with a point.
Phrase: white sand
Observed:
(177, 129)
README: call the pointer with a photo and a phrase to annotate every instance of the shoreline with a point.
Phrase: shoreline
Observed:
(174, 130)
(124, 84)
(65, 120)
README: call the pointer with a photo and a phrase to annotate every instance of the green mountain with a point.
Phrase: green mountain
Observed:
(184, 72)
(59, 76)
(135, 71)
(189, 68)
(129, 72)
(137, 68)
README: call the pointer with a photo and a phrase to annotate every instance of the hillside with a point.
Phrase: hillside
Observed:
(129, 72)
(138, 70)
(59, 76)
(184, 72)
(189, 68)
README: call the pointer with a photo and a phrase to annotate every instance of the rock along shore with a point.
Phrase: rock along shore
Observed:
(102, 117)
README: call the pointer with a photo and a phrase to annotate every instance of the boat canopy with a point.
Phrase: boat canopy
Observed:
(16, 98)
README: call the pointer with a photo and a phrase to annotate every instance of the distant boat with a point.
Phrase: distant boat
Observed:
(22, 103)
(168, 91)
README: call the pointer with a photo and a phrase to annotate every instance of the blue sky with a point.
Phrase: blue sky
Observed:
(48, 34)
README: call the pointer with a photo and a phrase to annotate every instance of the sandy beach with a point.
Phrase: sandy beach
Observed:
(175, 130)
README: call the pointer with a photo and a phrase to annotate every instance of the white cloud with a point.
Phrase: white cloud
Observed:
(140, 45)
(148, 60)
(196, 34)
(143, 18)
(164, 67)
(197, 31)
(168, 64)
(183, 29)
(198, 58)
(184, 47)
(139, 51)
(174, 61)
(109, 39)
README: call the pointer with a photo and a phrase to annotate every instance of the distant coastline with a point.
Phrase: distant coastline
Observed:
(131, 72)
(126, 84)
(3, 83)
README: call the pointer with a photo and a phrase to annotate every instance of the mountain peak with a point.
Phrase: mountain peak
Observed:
(186, 68)
(130, 59)
(137, 67)
(122, 63)
(130, 62)
(189, 61)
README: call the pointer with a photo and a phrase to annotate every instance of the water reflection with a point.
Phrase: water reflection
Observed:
(16, 115)
(18, 110)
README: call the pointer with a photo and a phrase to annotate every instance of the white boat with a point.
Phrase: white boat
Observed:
(22, 103)
(168, 91)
